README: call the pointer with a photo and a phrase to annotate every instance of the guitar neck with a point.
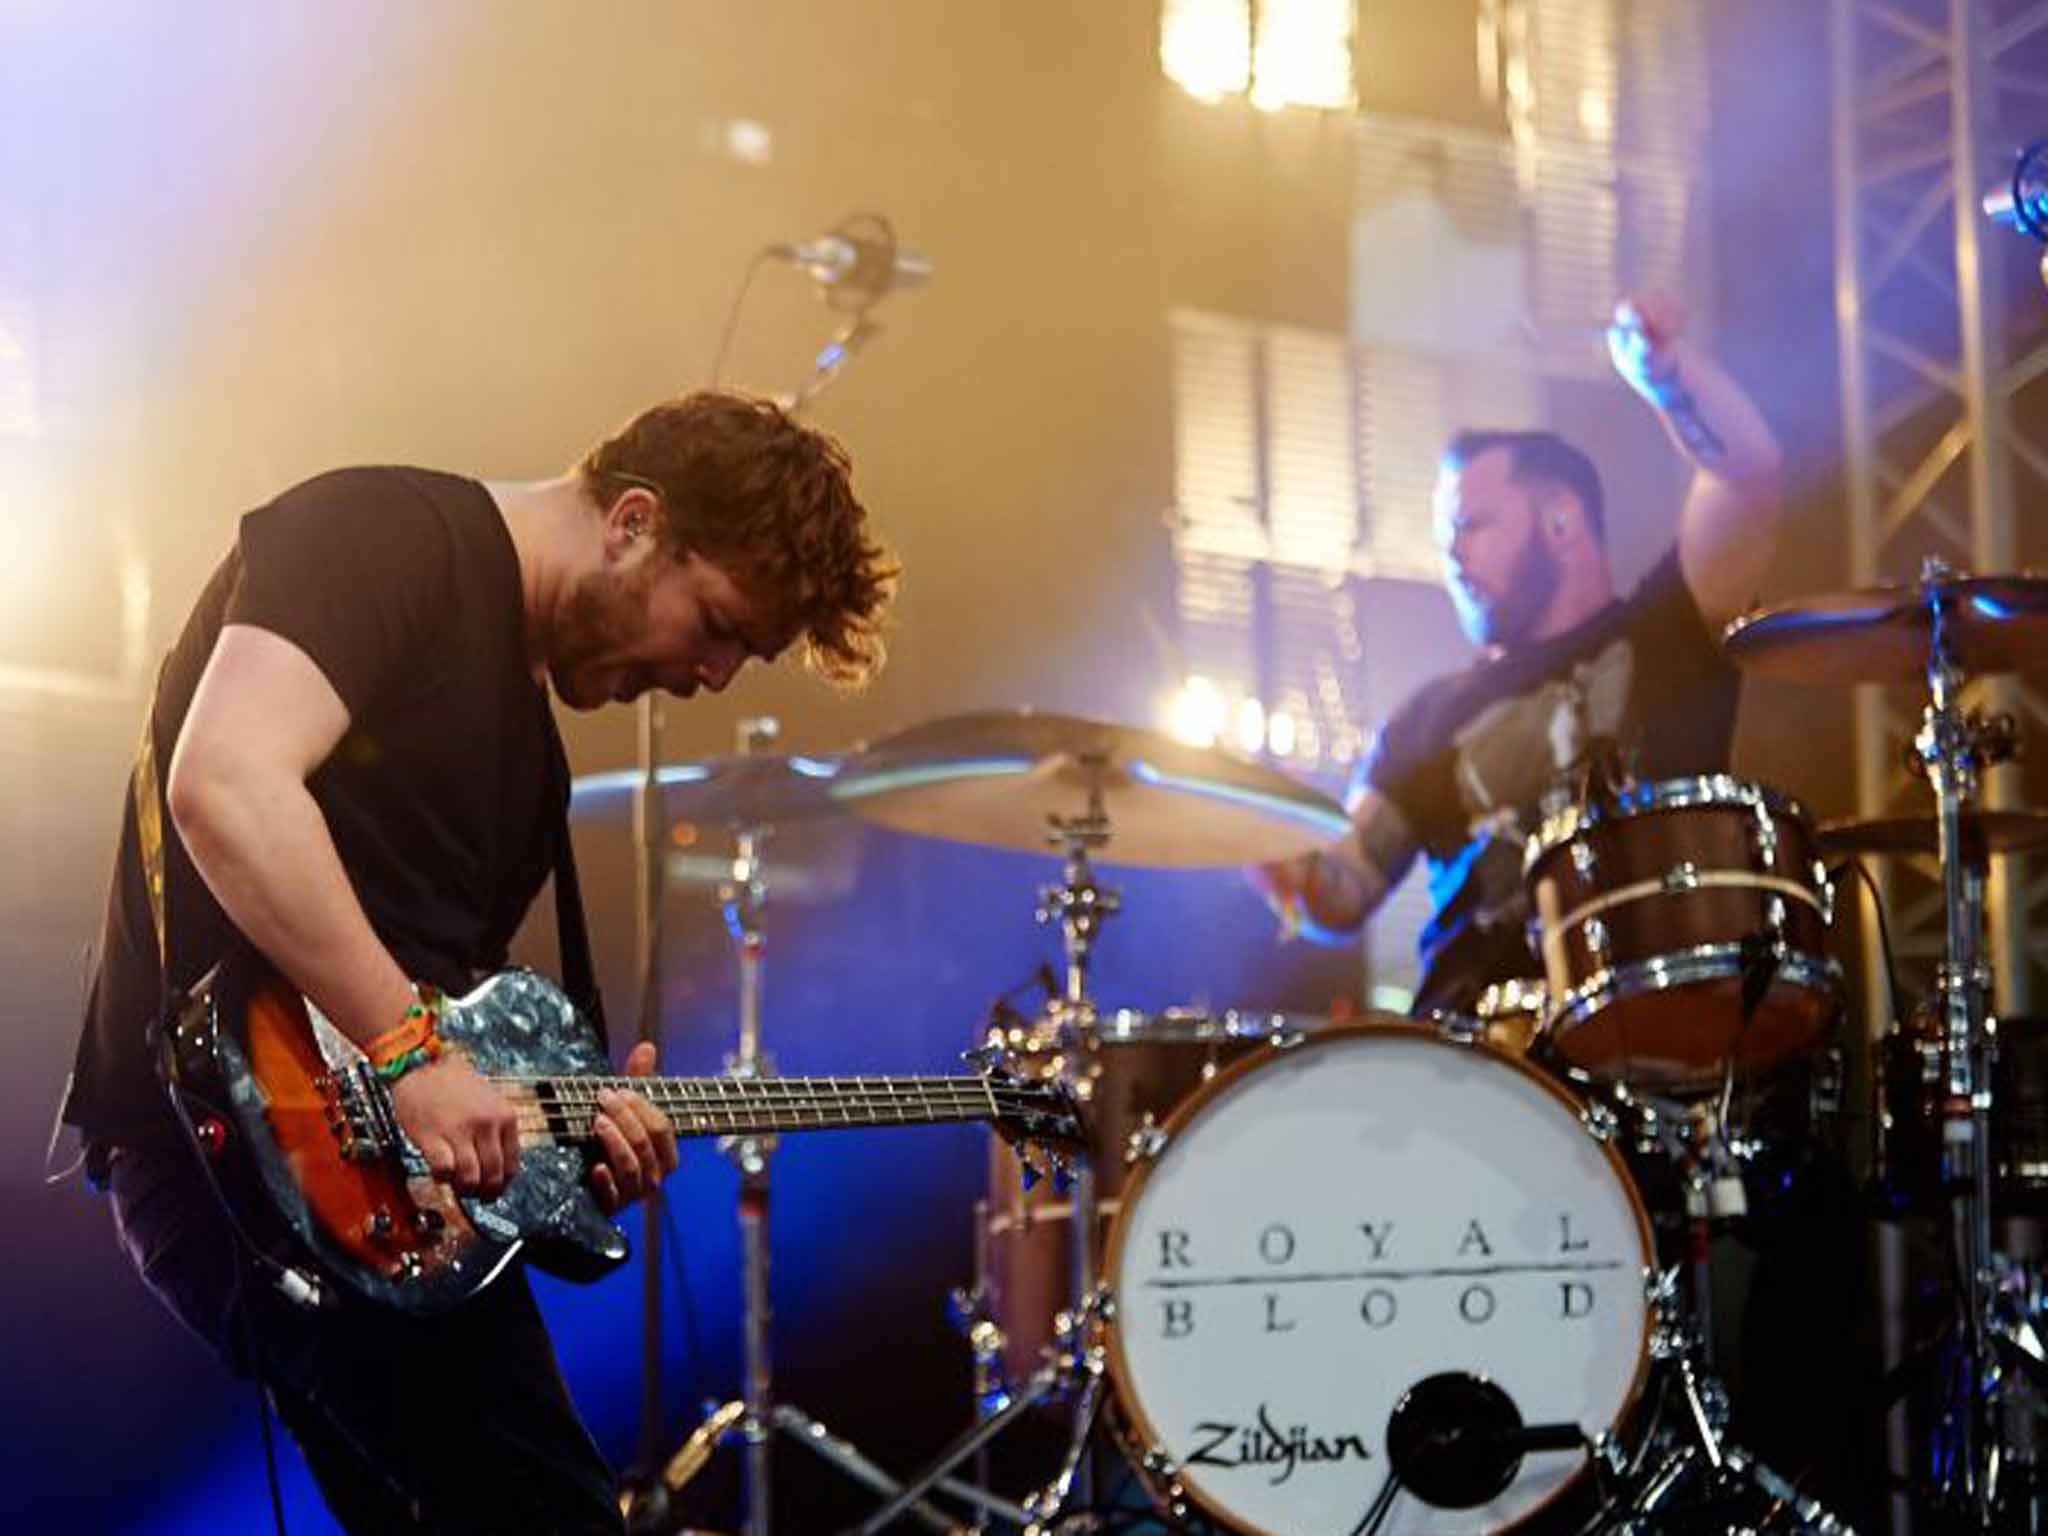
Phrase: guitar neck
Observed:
(562, 1108)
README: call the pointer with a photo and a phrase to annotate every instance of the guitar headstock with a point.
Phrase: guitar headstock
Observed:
(1036, 1116)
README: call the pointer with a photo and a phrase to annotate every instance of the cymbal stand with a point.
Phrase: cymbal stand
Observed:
(1078, 903)
(1951, 750)
(742, 899)
(756, 1416)
(1080, 906)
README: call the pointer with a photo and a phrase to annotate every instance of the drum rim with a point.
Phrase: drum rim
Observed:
(1647, 796)
(1679, 968)
(1142, 1435)
(1136, 1026)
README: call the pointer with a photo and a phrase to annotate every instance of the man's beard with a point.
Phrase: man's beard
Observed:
(1509, 618)
(603, 615)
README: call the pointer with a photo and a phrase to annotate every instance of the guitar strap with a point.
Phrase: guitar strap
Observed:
(149, 838)
(572, 935)
(579, 975)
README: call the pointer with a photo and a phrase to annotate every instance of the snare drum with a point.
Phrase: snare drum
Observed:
(1324, 1227)
(1659, 908)
(1129, 1070)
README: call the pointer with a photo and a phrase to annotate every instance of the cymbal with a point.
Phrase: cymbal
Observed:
(1984, 832)
(998, 779)
(743, 790)
(1883, 634)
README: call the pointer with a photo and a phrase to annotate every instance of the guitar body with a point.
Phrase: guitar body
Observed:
(285, 1111)
(305, 1148)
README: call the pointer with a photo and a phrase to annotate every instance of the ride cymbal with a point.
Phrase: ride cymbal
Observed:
(1008, 778)
(743, 790)
(1884, 634)
(1984, 833)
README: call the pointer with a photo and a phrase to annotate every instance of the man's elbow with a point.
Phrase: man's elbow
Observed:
(199, 792)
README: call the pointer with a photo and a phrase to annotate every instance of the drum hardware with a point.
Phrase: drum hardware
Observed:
(750, 794)
(1456, 1441)
(1071, 1361)
(1145, 1143)
(1946, 628)
(1095, 792)
(1684, 1472)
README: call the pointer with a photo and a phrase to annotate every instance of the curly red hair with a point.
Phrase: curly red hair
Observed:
(746, 485)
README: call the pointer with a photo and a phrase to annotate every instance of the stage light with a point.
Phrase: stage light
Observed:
(1197, 713)
(1251, 724)
(1303, 55)
(748, 141)
(1205, 47)
(1275, 53)
(1280, 733)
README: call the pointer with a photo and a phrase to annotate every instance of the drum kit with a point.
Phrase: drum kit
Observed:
(1372, 1273)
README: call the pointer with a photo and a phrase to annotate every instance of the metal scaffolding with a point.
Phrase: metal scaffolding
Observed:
(1930, 101)
(1945, 424)
(1931, 98)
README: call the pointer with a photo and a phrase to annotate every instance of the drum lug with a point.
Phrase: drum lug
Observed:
(1598, 945)
(1584, 860)
(1146, 1143)
(1774, 917)
(1766, 835)
(1683, 876)
(1826, 888)
(1600, 1121)
(1164, 1473)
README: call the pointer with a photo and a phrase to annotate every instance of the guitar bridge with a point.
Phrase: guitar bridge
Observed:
(359, 1113)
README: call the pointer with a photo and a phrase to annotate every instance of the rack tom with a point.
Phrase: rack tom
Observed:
(1683, 928)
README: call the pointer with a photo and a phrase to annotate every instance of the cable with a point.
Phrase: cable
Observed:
(732, 315)
(693, 1348)
(1884, 932)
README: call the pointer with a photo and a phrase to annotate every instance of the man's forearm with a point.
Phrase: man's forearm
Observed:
(264, 850)
(1712, 420)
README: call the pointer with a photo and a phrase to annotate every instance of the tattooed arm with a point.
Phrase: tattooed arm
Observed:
(1327, 895)
(1728, 528)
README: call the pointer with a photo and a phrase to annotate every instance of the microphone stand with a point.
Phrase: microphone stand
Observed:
(755, 1416)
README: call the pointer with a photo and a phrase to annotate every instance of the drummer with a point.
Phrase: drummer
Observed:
(1458, 772)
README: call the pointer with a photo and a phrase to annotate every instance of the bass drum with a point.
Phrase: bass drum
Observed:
(1330, 1224)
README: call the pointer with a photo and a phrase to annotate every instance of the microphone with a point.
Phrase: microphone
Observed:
(2022, 202)
(859, 257)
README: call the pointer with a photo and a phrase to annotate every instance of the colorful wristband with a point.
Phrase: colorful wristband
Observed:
(415, 1041)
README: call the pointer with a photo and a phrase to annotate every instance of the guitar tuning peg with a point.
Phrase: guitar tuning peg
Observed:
(1028, 1173)
(1062, 1174)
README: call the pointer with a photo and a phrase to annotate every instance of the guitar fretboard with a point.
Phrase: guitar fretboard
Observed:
(562, 1108)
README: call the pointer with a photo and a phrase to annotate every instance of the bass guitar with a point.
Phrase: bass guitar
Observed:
(302, 1141)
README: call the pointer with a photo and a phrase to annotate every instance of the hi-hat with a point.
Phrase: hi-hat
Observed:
(1984, 833)
(743, 790)
(1884, 634)
(1001, 779)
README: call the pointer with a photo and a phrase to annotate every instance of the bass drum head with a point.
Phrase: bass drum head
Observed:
(1332, 1223)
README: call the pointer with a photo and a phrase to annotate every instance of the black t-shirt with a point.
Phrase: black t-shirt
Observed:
(1467, 761)
(447, 795)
